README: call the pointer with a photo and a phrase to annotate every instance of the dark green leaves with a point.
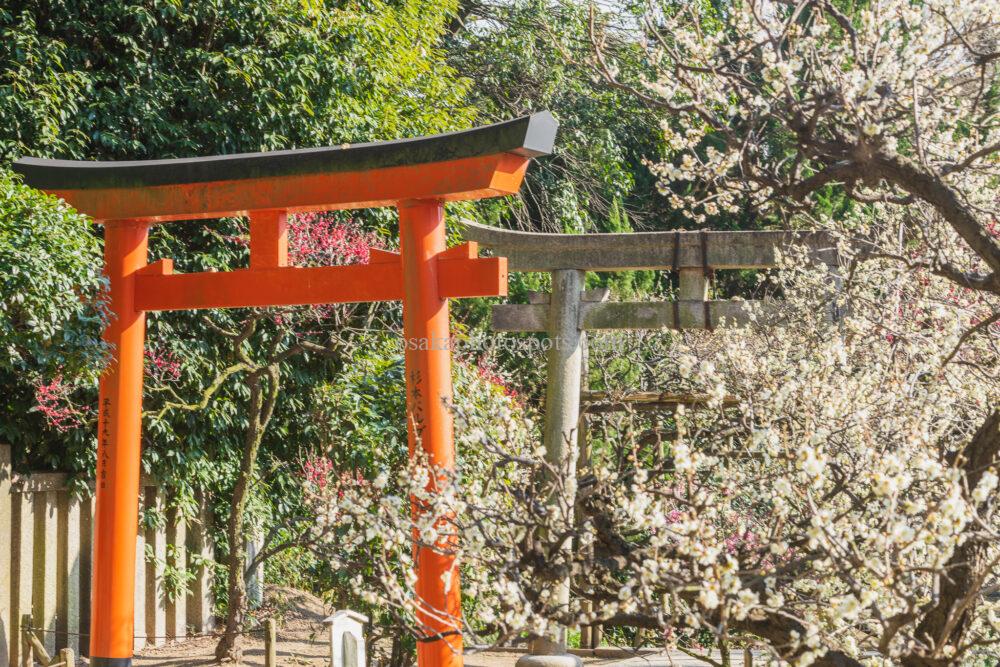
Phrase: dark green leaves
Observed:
(51, 313)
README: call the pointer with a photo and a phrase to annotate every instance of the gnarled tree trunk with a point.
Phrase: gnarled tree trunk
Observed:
(260, 409)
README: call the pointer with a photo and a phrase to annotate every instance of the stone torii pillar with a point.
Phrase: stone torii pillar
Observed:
(417, 176)
(562, 418)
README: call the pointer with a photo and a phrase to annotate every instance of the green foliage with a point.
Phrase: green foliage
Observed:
(528, 55)
(623, 284)
(295, 567)
(154, 80)
(139, 80)
(51, 311)
(89, 79)
(361, 428)
(360, 415)
(176, 577)
(134, 80)
(51, 316)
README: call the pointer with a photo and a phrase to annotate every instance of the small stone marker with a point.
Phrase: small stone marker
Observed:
(347, 639)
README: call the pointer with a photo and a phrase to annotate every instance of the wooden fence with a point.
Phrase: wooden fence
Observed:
(46, 540)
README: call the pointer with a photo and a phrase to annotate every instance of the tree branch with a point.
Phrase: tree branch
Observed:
(946, 620)
(912, 178)
(206, 395)
(979, 327)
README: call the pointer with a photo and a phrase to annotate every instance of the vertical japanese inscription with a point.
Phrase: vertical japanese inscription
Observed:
(105, 443)
(416, 407)
(428, 379)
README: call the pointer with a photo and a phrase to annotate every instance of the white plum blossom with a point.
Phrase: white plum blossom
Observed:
(987, 484)
(829, 495)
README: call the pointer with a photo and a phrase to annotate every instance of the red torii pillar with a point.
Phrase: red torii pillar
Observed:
(417, 176)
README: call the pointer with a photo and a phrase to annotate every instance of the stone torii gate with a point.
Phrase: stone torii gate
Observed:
(569, 311)
(416, 176)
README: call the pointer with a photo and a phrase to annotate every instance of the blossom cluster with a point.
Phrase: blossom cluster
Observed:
(324, 239)
(162, 365)
(828, 503)
(316, 471)
(831, 494)
(489, 372)
(895, 78)
(53, 399)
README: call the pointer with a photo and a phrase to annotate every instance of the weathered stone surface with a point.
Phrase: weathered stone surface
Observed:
(520, 317)
(70, 569)
(177, 607)
(692, 285)
(661, 314)
(156, 543)
(532, 251)
(86, 559)
(635, 315)
(200, 601)
(561, 660)
(23, 549)
(562, 413)
(347, 639)
(139, 594)
(46, 564)
(255, 581)
(46, 554)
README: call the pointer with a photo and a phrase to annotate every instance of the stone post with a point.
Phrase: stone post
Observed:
(582, 463)
(156, 546)
(692, 285)
(86, 567)
(46, 552)
(23, 548)
(139, 588)
(271, 643)
(69, 571)
(255, 580)
(347, 639)
(562, 417)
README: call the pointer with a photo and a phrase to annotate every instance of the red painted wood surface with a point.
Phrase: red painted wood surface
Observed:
(424, 274)
(119, 428)
(268, 239)
(471, 178)
(296, 286)
(429, 421)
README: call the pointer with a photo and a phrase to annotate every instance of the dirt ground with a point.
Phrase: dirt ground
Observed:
(302, 642)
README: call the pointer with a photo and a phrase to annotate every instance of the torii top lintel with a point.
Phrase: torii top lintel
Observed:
(482, 162)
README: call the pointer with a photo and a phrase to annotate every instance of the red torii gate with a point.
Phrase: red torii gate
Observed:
(415, 175)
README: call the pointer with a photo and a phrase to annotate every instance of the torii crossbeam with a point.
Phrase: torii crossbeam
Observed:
(415, 175)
